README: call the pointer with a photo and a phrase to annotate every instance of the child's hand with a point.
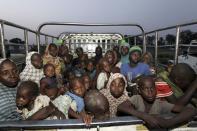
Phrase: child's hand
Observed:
(63, 90)
(152, 122)
(87, 119)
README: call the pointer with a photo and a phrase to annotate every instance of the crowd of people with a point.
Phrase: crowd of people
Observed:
(121, 82)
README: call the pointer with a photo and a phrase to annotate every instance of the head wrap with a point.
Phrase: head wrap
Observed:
(115, 102)
(58, 42)
(30, 72)
(1, 60)
(124, 43)
(115, 76)
(135, 48)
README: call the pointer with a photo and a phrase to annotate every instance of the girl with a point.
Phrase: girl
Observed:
(33, 70)
(115, 92)
(104, 73)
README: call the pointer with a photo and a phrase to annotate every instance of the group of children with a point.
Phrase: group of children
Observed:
(56, 86)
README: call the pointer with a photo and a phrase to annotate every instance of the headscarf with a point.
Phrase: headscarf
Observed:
(135, 48)
(115, 102)
(124, 43)
(2, 59)
(30, 72)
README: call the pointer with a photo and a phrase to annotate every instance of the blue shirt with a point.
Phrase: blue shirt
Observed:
(140, 69)
(125, 59)
(79, 101)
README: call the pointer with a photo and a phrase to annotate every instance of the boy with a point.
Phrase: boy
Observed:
(97, 104)
(147, 108)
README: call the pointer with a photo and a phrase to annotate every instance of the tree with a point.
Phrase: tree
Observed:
(17, 41)
(170, 39)
(161, 41)
(185, 37)
(150, 40)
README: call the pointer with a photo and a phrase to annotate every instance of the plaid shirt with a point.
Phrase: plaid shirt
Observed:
(30, 72)
(7, 104)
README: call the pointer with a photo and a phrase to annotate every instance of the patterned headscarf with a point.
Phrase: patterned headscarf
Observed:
(30, 72)
(115, 102)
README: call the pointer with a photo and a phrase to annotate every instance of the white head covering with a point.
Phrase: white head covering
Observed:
(1, 60)
(30, 72)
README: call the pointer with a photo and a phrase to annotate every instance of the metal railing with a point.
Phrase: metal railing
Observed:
(88, 25)
(26, 30)
(69, 123)
(177, 27)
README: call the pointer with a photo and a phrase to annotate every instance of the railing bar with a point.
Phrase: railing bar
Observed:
(2, 37)
(177, 45)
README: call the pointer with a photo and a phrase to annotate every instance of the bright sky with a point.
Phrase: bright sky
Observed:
(150, 14)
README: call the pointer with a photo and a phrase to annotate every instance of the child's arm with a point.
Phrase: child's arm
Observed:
(158, 122)
(46, 112)
(183, 117)
(185, 99)
(86, 118)
(127, 107)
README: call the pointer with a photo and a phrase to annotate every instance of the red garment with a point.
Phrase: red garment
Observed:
(163, 89)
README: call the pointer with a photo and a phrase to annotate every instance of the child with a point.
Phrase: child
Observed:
(49, 72)
(115, 92)
(97, 104)
(147, 107)
(104, 73)
(90, 69)
(51, 57)
(147, 58)
(9, 79)
(87, 81)
(77, 92)
(33, 70)
(34, 106)
(63, 102)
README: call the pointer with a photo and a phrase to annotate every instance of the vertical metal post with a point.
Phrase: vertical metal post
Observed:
(52, 39)
(2, 40)
(26, 41)
(46, 40)
(156, 48)
(177, 45)
(38, 42)
(144, 42)
(135, 40)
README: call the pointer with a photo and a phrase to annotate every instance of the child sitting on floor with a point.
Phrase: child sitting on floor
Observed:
(115, 92)
(33, 106)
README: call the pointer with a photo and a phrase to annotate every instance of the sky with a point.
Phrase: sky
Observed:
(151, 14)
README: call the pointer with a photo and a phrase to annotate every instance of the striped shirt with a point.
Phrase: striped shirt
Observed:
(7, 104)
